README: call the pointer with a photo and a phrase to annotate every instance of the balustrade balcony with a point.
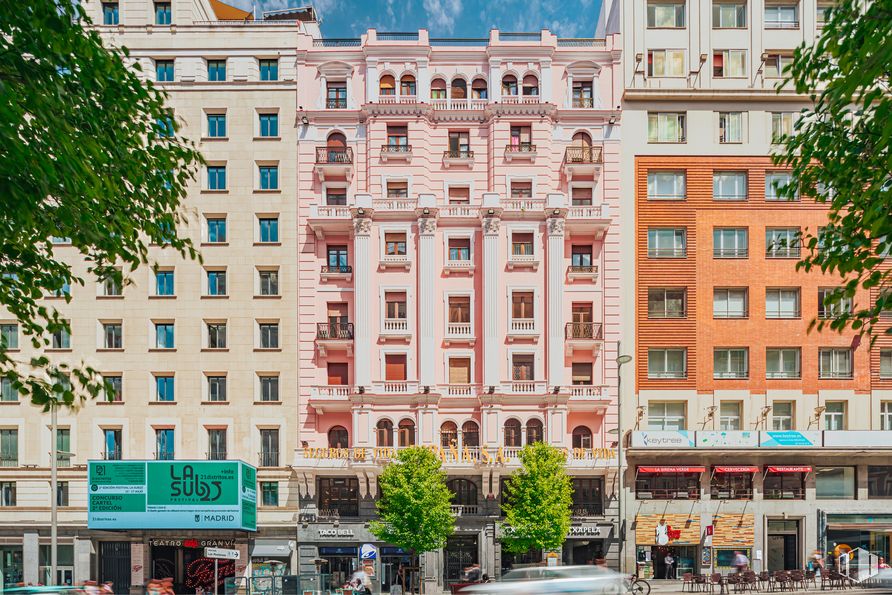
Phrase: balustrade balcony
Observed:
(334, 162)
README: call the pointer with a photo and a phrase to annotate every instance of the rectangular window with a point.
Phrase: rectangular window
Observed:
(395, 367)
(111, 287)
(216, 230)
(886, 415)
(164, 388)
(339, 496)
(730, 302)
(459, 143)
(581, 373)
(8, 392)
(397, 136)
(459, 249)
(782, 303)
(581, 256)
(110, 13)
(397, 189)
(667, 486)
(830, 306)
(164, 283)
(886, 364)
(269, 388)
(581, 196)
(731, 486)
(164, 71)
(522, 305)
(665, 302)
(216, 70)
(730, 363)
(338, 374)
(164, 335)
(217, 444)
(728, 15)
(782, 412)
(269, 69)
(782, 242)
(336, 95)
(776, 64)
(523, 367)
(665, 63)
(777, 186)
(61, 339)
(395, 305)
(269, 335)
(459, 195)
(521, 189)
(460, 309)
(162, 13)
(729, 185)
(164, 444)
(112, 335)
(588, 496)
(337, 258)
(216, 335)
(781, 125)
(665, 14)
(782, 362)
(269, 448)
(666, 363)
(395, 244)
(63, 447)
(269, 125)
(9, 336)
(879, 481)
(521, 138)
(216, 283)
(216, 125)
(112, 445)
(459, 370)
(666, 185)
(269, 177)
(666, 127)
(834, 363)
(336, 197)
(114, 388)
(782, 15)
(729, 64)
(783, 485)
(269, 230)
(269, 493)
(729, 416)
(824, 8)
(7, 493)
(216, 388)
(835, 483)
(666, 415)
(835, 415)
(216, 177)
(730, 127)
(666, 243)
(9, 448)
(269, 282)
(522, 244)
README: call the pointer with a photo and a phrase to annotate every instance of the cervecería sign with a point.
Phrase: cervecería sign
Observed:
(172, 495)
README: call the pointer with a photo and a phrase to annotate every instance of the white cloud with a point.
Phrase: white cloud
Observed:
(442, 14)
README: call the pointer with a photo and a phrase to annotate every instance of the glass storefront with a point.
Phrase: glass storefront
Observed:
(654, 566)
(583, 551)
(64, 565)
(343, 561)
(185, 563)
(11, 564)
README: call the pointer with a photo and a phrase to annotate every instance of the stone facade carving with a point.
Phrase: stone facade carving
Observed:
(362, 226)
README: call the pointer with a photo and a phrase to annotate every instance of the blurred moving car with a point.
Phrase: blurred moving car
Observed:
(43, 590)
(554, 579)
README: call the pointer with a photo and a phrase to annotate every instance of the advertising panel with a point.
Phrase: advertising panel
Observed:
(857, 439)
(790, 439)
(663, 439)
(727, 439)
(172, 495)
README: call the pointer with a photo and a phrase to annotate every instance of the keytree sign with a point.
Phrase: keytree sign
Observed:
(172, 495)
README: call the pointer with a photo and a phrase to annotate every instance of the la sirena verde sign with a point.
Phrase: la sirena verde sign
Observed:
(172, 495)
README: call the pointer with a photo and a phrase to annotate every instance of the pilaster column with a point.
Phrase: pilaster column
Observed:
(491, 341)
(362, 335)
(323, 91)
(545, 82)
(555, 288)
(30, 557)
(423, 83)
(371, 80)
(495, 80)
(82, 549)
(596, 93)
(427, 279)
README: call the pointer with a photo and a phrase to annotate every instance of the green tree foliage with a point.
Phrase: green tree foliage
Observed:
(840, 153)
(414, 508)
(539, 497)
(90, 154)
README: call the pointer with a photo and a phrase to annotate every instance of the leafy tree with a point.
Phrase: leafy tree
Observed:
(90, 158)
(840, 153)
(539, 497)
(414, 508)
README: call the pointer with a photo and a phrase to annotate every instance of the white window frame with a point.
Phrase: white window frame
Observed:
(386, 178)
(675, 173)
(776, 297)
(448, 354)
(785, 353)
(677, 252)
(787, 122)
(777, 418)
(383, 290)
(469, 184)
(257, 283)
(206, 389)
(726, 352)
(512, 289)
(537, 363)
(257, 236)
(262, 111)
(727, 62)
(257, 323)
(326, 186)
(100, 288)
(205, 128)
(664, 375)
(736, 25)
(205, 285)
(835, 371)
(266, 163)
(205, 230)
(651, 405)
(101, 330)
(593, 186)
(734, 175)
(537, 239)
(153, 342)
(726, 140)
(832, 418)
(258, 386)
(383, 230)
(728, 291)
(731, 421)
(887, 355)
(668, 58)
(782, 24)
(470, 293)
(781, 61)
(662, 118)
(169, 269)
(458, 234)
(205, 180)
(886, 415)
(771, 177)
(509, 180)
(382, 361)
(793, 247)
(206, 335)
(667, 3)
(727, 251)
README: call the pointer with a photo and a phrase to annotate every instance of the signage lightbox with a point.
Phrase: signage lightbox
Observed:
(172, 495)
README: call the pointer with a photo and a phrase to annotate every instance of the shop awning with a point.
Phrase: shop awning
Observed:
(736, 469)
(671, 469)
(789, 469)
(278, 548)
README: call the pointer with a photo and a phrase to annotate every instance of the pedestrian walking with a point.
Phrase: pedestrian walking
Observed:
(669, 562)
(740, 562)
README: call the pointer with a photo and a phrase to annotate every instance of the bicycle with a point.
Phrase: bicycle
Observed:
(637, 586)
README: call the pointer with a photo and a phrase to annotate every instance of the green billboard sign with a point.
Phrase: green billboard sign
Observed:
(172, 495)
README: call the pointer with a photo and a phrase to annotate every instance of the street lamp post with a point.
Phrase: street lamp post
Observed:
(621, 360)
(54, 504)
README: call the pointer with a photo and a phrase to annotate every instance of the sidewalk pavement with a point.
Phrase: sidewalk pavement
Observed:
(667, 587)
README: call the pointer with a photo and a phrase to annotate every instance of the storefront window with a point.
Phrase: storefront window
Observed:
(64, 565)
(835, 483)
(667, 485)
(338, 496)
(724, 559)
(784, 485)
(11, 564)
(588, 496)
(342, 563)
(879, 482)
(735, 485)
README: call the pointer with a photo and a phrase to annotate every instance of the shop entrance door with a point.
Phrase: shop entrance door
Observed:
(783, 545)
(460, 553)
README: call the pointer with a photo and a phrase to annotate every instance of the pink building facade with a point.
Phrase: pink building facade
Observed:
(458, 277)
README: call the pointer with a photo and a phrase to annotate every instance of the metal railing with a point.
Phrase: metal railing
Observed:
(784, 494)
(577, 269)
(733, 315)
(580, 42)
(583, 102)
(334, 331)
(9, 461)
(341, 269)
(465, 509)
(730, 252)
(334, 155)
(335, 103)
(396, 149)
(268, 458)
(164, 455)
(337, 42)
(719, 493)
(643, 492)
(783, 375)
(582, 155)
(460, 41)
(458, 154)
(667, 252)
(587, 509)
(583, 330)
(520, 36)
(112, 455)
(520, 148)
(792, 314)
(217, 454)
(398, 36)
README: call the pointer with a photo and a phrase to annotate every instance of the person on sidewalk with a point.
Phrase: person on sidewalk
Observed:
(669, 563)
(741, 562)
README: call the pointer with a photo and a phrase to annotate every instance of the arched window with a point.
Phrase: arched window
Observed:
(384, 430)
(387, 85)
(407, 85)
(448, 434)
(337, 437)
(459, 89)
(465, 491)
(582, 437)
(407, 432)
(470, 434)
(479, 89)
(534, 431)
(438, 89)
(530, 86)
(509, 85)
(336, 140)
(581, 148)
(512, 433)
(582, 139)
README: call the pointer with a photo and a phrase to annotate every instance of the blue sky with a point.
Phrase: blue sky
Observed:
(446, 18)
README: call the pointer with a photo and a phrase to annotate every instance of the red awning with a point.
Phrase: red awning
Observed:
(790, 469)
(737, 469)
(674, 469)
